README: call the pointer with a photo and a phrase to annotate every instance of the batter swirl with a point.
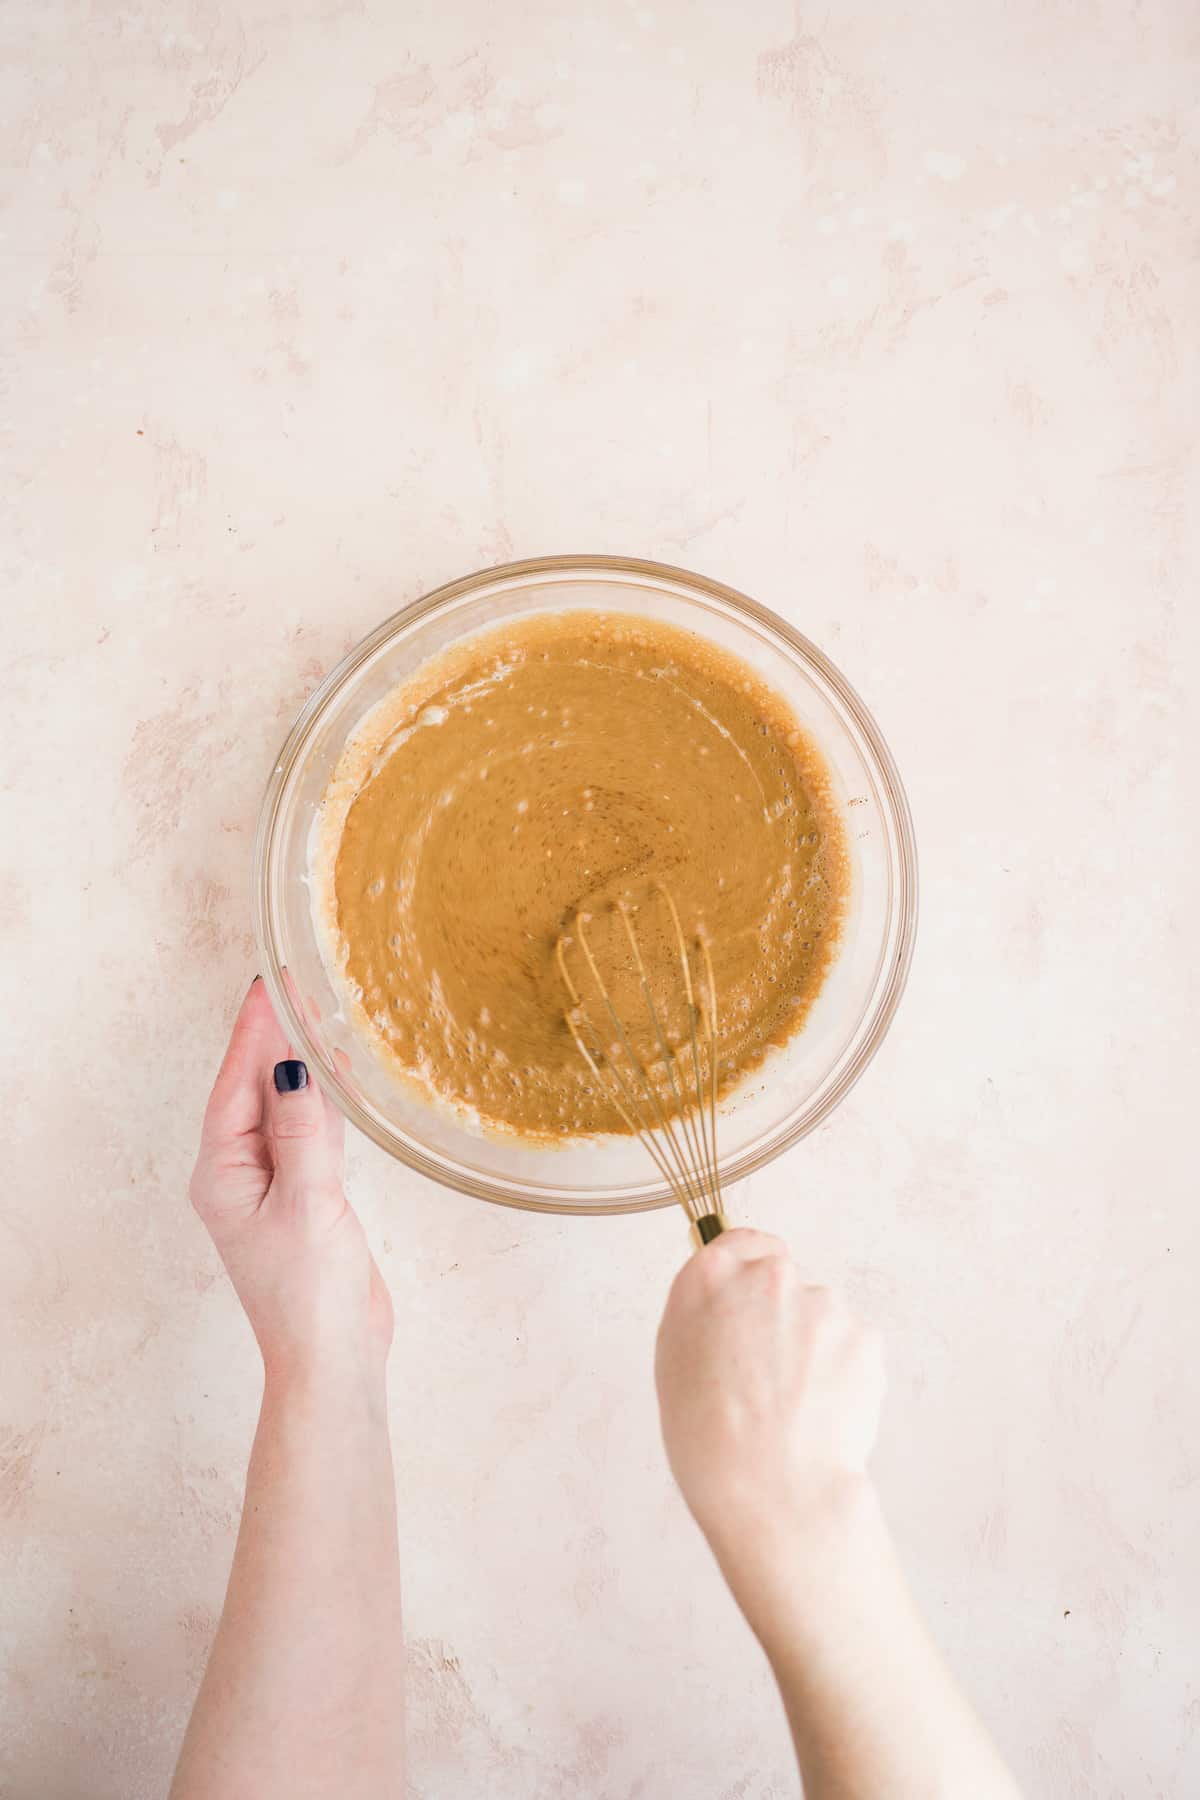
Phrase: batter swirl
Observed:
(564, 763)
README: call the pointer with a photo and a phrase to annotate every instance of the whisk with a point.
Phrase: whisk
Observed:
(677, 1121)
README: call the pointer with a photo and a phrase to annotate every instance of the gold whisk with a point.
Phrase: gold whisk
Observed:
(679, 1130)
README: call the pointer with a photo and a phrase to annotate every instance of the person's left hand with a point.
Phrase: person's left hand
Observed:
(268, 1185)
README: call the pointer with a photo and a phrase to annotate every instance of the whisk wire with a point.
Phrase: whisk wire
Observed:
(707, 1154)
(712, 1065)
(666, 1049)
(614, 1082)
(685, 1177)
(619, 1093)
(680, 1136)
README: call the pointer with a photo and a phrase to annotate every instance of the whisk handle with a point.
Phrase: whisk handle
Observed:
(706, 1228)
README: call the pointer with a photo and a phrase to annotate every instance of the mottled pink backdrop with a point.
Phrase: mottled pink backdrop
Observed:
(884, 313)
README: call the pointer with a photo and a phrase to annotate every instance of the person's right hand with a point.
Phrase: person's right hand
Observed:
(770, 1391)
(770, 1394)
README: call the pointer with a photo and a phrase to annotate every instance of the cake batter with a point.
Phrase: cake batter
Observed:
(560, 766)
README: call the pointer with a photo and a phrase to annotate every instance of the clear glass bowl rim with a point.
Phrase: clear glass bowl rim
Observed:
(904, 902)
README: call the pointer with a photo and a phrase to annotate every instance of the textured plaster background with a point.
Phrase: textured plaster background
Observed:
(884, 313)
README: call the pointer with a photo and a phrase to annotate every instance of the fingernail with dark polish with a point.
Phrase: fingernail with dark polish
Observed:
(289, 1076)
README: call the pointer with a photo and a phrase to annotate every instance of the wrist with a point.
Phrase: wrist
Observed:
(806, 1513)
(343, 1386)
(781, 1554)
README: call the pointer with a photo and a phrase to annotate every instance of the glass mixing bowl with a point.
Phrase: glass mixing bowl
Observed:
(797, 1086)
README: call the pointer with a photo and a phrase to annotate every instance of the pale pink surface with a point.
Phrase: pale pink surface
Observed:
(890, 321)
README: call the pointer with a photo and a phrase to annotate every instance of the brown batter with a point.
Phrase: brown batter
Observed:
(564, 764)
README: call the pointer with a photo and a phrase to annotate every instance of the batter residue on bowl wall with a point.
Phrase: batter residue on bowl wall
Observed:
(559, 765)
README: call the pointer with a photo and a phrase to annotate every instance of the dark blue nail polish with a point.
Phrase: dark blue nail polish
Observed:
(289, 1076)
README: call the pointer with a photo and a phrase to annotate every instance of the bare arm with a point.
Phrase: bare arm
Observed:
(770, 1394)
(303, 1692)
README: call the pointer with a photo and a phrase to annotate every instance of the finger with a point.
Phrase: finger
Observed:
(304, 1141)
(255, 1045)
(743, 1244)
(309, 1014)
(717, 1262)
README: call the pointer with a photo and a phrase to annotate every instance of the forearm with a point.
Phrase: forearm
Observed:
(871, 1705)
(303, 1692)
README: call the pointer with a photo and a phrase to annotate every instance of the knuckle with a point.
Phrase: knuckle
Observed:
(710, 1264)
(776, 1276)
(296, 1124)
(698, 1285)
(746, 1238)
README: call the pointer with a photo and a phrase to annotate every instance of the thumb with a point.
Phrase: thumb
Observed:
(296, 1120)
